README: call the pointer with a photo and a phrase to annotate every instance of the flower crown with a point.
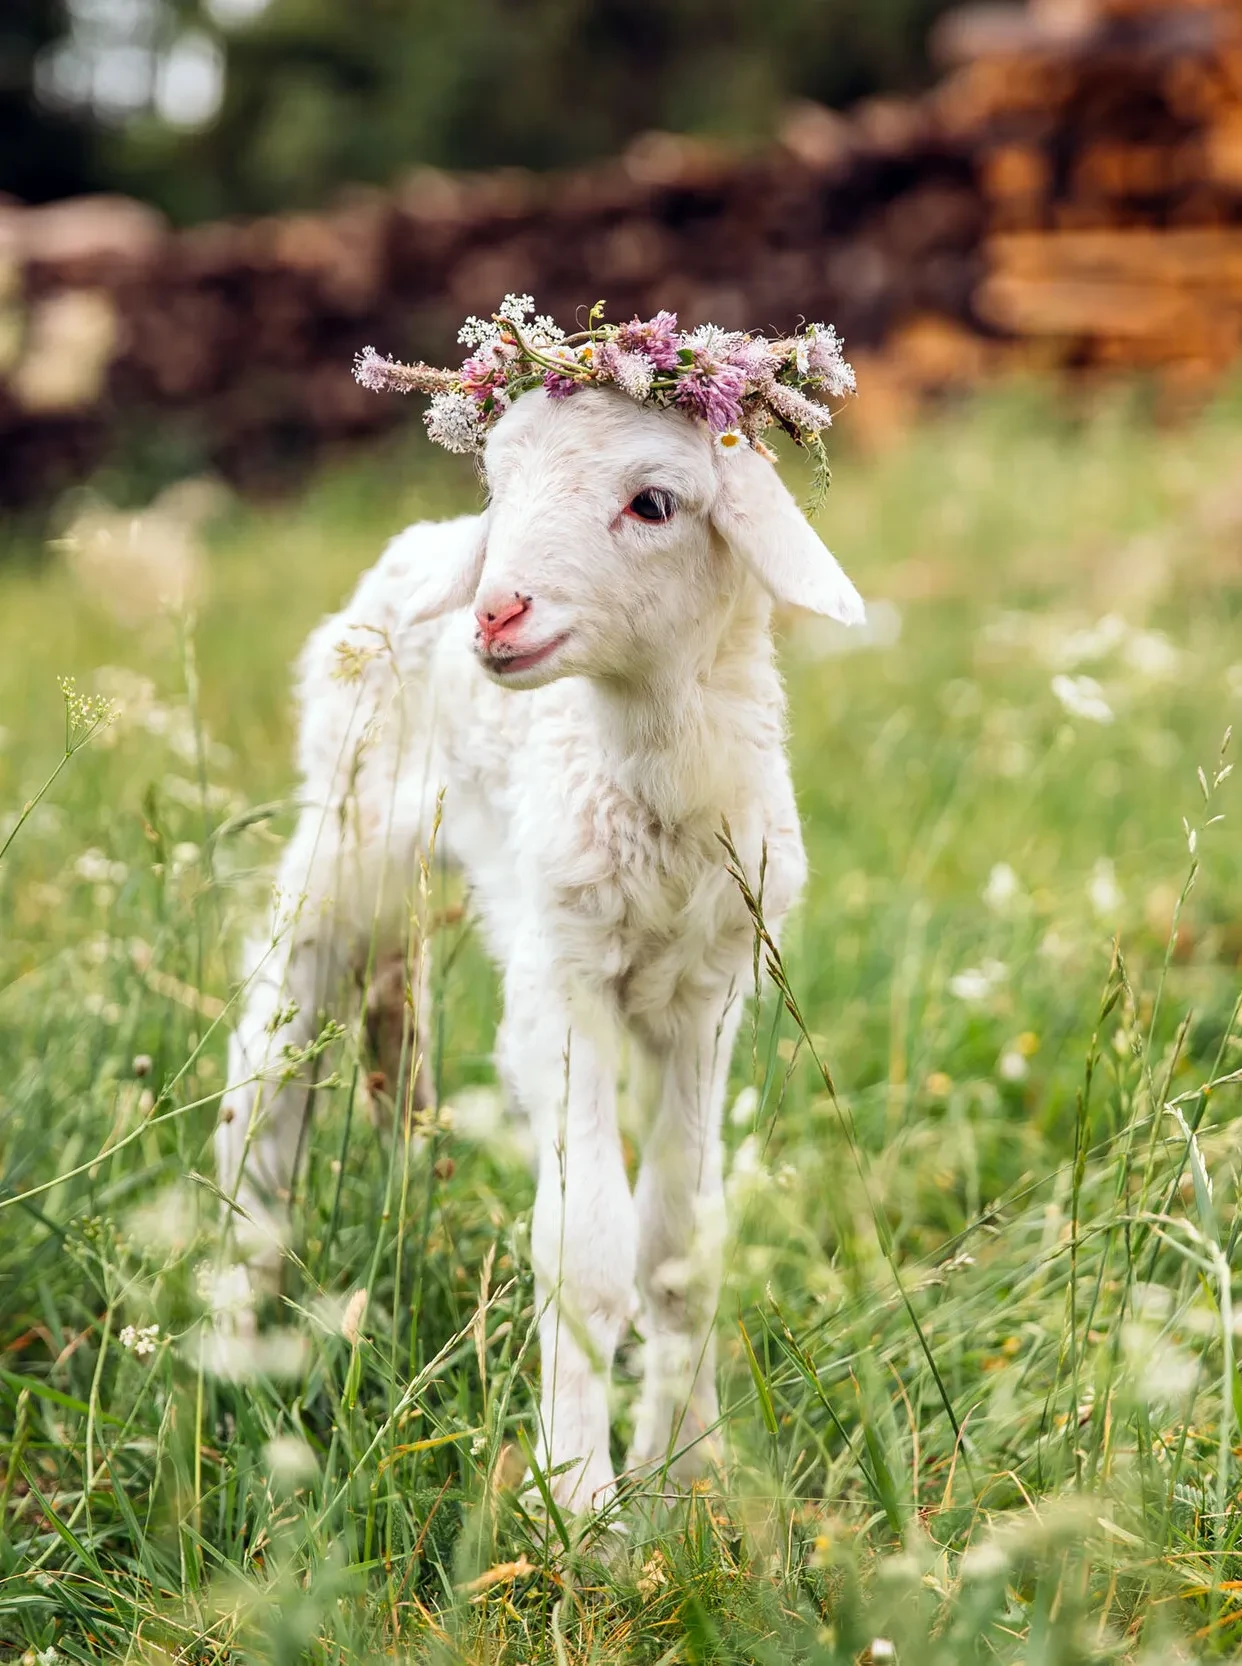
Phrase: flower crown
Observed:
(738, 384)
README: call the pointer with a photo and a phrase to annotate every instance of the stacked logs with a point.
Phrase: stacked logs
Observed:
(228, 346)
(1107, 139)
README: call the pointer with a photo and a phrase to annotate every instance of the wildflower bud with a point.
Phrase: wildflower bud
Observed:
(142, 1064)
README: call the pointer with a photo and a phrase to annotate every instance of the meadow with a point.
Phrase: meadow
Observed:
(979, 1351)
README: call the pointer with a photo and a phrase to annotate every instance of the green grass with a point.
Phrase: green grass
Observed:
(1010, 961)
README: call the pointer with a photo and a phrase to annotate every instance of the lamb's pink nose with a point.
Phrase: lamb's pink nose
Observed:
(496, 618)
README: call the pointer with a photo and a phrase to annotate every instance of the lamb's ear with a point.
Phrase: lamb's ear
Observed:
(755, 513)
(437, 564)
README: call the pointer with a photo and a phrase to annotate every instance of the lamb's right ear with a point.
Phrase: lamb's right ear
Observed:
(438, 564)
(756, 514)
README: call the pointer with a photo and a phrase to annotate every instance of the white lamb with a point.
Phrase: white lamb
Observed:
(587, 669)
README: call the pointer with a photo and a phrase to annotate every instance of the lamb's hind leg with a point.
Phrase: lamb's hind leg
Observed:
(291, 976)
(398, 1012)
(679, 1201)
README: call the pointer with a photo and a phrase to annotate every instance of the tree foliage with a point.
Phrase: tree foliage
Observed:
(320, 92)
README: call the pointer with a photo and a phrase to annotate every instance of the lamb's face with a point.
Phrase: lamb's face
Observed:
(616, 534)
(600, 553)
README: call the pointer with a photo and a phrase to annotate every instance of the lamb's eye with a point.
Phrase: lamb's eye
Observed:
(653, 505)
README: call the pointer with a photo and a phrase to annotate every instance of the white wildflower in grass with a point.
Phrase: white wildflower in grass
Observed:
(975, 984)
(1012, 1066)
(744, 1107)
(1164, 1373)
(881, 1651)
(1095, 642)
(97, 869)
(1082, 697)
(290, 1462)
(453, 421)
(240, 1356)
(140, 1340)
(225, 1291)
(1103, 892)
(984, 1561)
(1152, 656)
(1003, 888)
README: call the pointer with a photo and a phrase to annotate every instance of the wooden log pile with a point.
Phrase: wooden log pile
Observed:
(1107, 140)
(228, 346)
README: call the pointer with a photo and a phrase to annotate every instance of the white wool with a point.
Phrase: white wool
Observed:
(583, 798)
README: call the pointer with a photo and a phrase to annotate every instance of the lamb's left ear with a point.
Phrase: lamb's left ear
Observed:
(438, 564)
(755, 513)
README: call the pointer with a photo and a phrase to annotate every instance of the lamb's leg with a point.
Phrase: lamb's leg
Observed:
(679, 1201)
(290, 975)
(562, 1070)
(396, 1034)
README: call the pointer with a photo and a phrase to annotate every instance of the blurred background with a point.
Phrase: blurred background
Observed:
(209, 205)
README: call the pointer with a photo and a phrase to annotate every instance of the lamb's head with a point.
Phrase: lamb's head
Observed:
(615, 532)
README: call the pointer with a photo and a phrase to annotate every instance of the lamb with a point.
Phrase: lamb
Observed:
(586, 670)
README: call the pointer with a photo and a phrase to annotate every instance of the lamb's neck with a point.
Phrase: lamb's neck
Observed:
(677, 739)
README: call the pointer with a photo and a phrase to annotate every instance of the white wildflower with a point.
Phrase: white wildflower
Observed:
(984, 1561)
(881, 1651)
(977, 983)
(1012, 1066)
(453, 421)
(744, 1107)
(1082, 697)
(1002, 889)
(545, 330)
(710, 338)
(731, 439)
(1093, 643)
(1164, 1373)
(1152, 655)
(97, 869)
(1103, 892)
(225, 1291)
(140, 1341)
(517, 307)
(290, 1462)
(476, 332)
(240, 1356)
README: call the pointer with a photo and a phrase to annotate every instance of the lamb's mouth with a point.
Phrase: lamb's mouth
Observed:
(525, 662)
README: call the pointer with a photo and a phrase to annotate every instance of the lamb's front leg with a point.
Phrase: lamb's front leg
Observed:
(559, 1059)
(680, 1208)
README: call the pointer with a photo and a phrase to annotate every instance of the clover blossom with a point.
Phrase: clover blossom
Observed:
(713, 390)
(656, 339)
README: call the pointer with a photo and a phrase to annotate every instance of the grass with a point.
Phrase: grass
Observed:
(977, 1336)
